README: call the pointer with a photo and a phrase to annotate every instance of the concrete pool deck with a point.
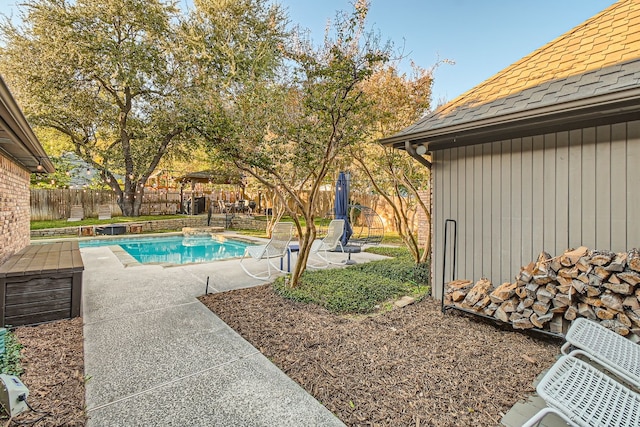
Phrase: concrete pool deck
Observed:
(155, 356)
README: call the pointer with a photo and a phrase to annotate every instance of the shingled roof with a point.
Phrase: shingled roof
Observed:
(592, 72)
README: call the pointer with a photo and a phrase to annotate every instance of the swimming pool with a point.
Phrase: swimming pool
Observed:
(174, 249)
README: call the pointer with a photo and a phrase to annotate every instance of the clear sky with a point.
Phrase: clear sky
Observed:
(481, 36)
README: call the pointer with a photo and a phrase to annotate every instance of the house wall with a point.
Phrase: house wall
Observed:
(513, 199)
(14, 208)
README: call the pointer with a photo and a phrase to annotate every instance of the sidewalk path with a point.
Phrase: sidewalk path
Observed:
(155, 356)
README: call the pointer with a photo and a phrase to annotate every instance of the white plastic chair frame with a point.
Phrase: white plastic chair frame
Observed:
(613, 352)
(277, 247)
(585, 397)
(330, 243)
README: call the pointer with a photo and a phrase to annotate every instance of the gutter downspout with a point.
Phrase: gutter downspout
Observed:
(412, 152)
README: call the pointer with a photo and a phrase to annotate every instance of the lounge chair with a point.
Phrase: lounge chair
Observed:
(277, 247)
(104, 212)
(613, 352)
(330, 243)
(77, 213)
(583, 396)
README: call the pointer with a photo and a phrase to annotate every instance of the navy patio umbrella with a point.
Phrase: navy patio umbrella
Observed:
(342, 205)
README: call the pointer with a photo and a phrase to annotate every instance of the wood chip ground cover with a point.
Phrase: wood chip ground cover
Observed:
(411, 366)
(53, 363)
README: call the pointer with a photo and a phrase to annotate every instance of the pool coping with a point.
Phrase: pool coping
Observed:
(127, 260)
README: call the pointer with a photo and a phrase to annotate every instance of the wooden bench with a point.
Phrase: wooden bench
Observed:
(41, 283)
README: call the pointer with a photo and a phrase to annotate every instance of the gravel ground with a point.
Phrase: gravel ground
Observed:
(53, 362)
(408, 367)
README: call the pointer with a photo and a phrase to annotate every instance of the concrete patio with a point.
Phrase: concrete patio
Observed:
(154, 355)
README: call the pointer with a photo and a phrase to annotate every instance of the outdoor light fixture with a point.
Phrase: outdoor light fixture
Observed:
(421, 149)
(39, 167)
(88, 171)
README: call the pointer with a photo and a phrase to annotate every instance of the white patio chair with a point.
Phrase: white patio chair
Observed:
(330, 243)
(613, 352)
(77, 213)
(277, 247)
(104, 212)
(585, 397)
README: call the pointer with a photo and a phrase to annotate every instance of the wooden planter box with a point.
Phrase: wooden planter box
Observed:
(40, 284)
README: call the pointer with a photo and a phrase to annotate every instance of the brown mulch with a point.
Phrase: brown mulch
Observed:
(53, 363)
(411, 366)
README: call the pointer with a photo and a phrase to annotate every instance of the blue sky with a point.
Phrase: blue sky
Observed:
(481, 36)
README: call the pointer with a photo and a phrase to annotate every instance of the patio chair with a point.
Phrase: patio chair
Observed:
(277, 247)
(330, 243)
(613, 352)
(583, 396)
(77, 213)
(104, 212)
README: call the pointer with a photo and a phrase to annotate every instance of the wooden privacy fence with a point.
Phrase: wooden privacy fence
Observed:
(56, 204)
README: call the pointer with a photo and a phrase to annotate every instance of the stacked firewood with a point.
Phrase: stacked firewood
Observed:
(551, 292)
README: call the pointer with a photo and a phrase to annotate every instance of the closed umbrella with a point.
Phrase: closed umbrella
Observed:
(342, 205)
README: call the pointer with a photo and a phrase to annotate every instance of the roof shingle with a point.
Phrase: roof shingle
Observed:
(599, 56)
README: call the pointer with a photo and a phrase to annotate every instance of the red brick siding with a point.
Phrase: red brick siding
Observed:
(14, 208)
(424, 228)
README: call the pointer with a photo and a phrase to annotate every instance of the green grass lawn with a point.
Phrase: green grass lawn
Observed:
(361, 288)
(59, 223)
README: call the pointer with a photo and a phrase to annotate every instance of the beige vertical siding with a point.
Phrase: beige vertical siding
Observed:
(513, 199)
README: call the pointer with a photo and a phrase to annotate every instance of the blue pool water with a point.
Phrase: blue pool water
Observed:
(175, 249)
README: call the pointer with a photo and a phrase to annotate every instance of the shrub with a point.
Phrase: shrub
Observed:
(345, 290)
(10, 360)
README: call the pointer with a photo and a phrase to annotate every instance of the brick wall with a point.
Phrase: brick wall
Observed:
(14, 208)
(424, 228)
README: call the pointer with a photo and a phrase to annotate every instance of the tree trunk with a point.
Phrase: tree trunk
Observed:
(303, 255)
(131, 202)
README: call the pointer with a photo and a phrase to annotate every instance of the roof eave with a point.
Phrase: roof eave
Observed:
(544, 118)
(23, 144)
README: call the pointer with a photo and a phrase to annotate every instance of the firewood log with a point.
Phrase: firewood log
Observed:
(633, 259)
(478, 292)
(571, 313)
(559, 325)
(501, 314)
(592, 291)
(543, 295)
(630, 277)
(615, 326)
(570, 257)
(541, 308)
(634, 316)
(563, 281)
(579, 286)
(604, 313)
(583, 265)
(523, 323)
(631, 302)
(563, 299)
(601, 272)
(503, 292)
(619, 288)
(624, 319)
(601, 257)
(510, 306)
(585, 310)
(569, 273)
(618, 263)
(612, 301)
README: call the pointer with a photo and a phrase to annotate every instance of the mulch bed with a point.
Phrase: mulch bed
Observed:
(53, 363)
(411, 366)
